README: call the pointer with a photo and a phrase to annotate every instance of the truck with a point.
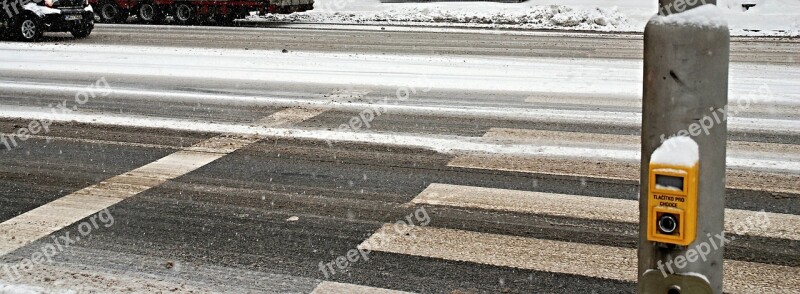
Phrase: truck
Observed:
(28, 20)
(192, 11)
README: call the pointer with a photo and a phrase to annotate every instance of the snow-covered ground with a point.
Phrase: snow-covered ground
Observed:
(610, 77)
(769, 17)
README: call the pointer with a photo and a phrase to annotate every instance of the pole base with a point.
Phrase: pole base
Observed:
(654, 282)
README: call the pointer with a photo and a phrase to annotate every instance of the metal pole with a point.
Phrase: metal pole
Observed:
(685, 83)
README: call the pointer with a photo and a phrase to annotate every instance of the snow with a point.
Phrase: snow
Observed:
(471, 14)
(667, 188)
(677, 151)
(441, 143)
(611, 77)
(552, 17)
(41, 10)
(769, 17)
(704, 16)
(26, 289)
(617, 78)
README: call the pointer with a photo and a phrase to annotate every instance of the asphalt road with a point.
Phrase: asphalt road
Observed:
(273, 206)
(415, 40)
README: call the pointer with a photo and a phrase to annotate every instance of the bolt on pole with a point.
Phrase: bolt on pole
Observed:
(685, 96)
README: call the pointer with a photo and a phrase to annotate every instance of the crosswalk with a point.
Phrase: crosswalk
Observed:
(528, 166)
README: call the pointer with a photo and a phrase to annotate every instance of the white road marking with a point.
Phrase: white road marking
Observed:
(336, 288)
(628, 141)
(440, 143)
(783, 226)
(560, 257)
(507, 251)
(760, 175)
(49, 218)
(626, 171)
(631, 101)
(635, 101)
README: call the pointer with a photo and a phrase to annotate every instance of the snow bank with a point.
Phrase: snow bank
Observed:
(704, 16)
(680, 151)
(539, 17)
(26, 289)
(769, 17)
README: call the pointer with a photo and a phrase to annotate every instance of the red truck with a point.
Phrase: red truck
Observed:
(192, 11)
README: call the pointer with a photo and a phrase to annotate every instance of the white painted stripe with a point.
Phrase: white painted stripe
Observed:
(337, 288)
(737, 178)
(739, 148)
(507, 251)
(754, 179)
(631, 101)
(780, 225)
(560, 257)
(584, 207)
(44, 220)
(51, 217)
(444, 144)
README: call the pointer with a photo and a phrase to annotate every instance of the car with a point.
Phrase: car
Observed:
(28, 20)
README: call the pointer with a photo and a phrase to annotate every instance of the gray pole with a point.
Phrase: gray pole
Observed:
(685, 82)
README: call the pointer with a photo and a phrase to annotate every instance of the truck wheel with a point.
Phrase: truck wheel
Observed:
(28, 29)
(110, 13)
(184, 14)
(82, 31)
(149, 13)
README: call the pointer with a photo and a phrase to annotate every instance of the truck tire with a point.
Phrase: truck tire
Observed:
(184, 14)
(28, 28)
(149, 13)
(109, 12)
(82, 31)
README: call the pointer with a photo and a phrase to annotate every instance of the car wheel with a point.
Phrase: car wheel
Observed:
(184, 14)
(110, 13)
(28, 29)
(149, 13)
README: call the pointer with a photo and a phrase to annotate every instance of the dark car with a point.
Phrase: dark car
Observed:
(27, 20)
